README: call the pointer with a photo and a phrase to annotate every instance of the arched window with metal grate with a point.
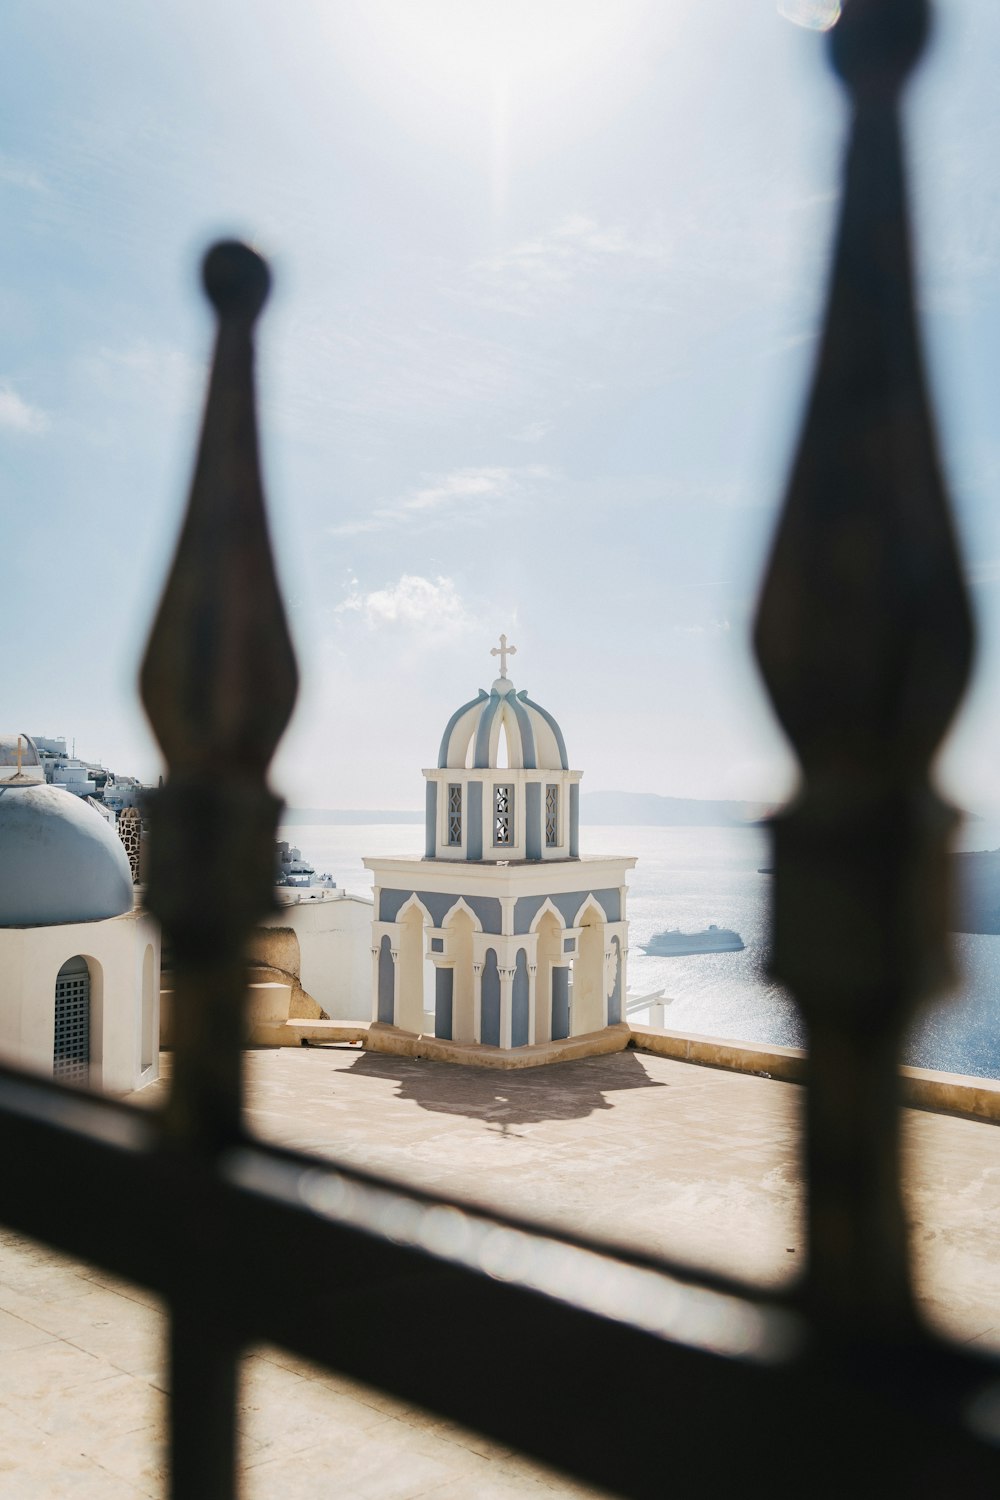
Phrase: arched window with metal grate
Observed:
(71, 1041)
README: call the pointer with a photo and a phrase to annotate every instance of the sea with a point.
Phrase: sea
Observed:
(689, 877)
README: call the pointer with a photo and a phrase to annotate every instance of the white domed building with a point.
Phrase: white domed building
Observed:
(79, 965)
(502, 939)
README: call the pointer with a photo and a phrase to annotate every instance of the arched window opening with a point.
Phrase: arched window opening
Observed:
(503, 750)
(503, 815)
(455, 815)
(71, 1044)
(490, 1029)
(386, 984)
(615, 996)
(520, 1002)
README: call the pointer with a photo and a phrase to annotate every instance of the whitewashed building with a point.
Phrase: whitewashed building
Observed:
(79, 965)
(502, 935)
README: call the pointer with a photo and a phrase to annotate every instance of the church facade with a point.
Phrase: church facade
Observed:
(502, 935)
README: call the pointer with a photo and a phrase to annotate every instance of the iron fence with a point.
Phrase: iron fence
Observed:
(864, 638)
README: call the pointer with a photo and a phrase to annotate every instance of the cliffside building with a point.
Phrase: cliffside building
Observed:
(79, 963)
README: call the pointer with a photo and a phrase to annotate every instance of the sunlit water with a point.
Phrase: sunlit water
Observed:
(689, 877)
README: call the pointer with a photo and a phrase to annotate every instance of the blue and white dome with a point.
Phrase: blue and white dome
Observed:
(60, 861)
(472, 737)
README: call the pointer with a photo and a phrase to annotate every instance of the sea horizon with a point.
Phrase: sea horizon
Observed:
(688, 878)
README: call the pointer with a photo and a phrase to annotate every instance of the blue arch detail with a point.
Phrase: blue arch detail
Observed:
(528, 757)
(550, 721)
(490, 1018)
(567, 903)
(481, 760)
(439, 904)
(481, 697)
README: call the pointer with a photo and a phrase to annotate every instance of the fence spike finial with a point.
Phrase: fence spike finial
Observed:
(219, 679)
(219, 683)
(863, 635)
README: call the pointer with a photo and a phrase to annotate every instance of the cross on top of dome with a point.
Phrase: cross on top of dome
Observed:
(503, 651)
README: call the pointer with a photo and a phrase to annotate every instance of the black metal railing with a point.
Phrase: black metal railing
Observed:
(540, 1340)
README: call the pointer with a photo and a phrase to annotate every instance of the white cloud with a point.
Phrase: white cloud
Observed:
(708, 628)
(533, 432)
(574, 247)
(17, 174)
(471, 494)
(18, 415)
(172, 372)
(430, 607)
(575, 241)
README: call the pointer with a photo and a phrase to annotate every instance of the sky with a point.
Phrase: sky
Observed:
(548, 282)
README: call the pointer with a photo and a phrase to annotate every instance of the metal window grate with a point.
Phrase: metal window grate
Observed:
(551, 816)
(503, 814)
(840, 1384)
(71, 1046)
(455, 814)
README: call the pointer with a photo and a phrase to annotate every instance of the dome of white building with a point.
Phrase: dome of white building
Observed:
(472, 736)
(19, 758)
(60, 861)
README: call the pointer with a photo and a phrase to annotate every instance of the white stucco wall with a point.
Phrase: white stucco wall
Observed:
(335, 964)
(30, 960)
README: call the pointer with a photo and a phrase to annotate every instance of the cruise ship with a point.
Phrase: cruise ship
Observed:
(674, 942)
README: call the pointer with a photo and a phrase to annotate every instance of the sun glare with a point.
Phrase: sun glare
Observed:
(463, 39)
(489, 73)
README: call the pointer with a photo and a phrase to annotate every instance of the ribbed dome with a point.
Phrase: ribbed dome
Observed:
(59, 860)
(472, 736)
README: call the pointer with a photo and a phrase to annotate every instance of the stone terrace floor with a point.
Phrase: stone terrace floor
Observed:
(697, 1163)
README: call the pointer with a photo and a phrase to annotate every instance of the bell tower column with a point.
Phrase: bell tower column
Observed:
(477, 999)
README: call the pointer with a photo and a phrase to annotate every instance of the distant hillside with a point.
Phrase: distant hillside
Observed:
(296, 815)
(621, 809)
(647, 808)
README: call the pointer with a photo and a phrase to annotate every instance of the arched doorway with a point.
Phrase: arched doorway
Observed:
(444, 1001)
(552, 991)
(490, 1032)
(416, 993)
(460, 927)
(71, 1039)
(588, 973)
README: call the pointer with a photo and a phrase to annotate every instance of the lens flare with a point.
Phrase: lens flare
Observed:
(816, 15)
